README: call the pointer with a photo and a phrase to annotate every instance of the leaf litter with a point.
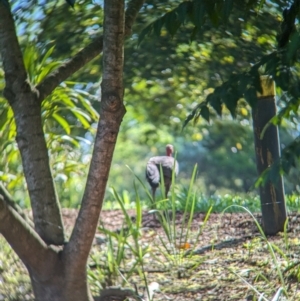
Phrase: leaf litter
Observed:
(229, 260)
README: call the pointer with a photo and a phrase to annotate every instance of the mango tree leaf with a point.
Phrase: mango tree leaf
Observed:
(198, 13)
(227, 8)
(204, 112)
(215, 101)
(251, 96)
(172, 23)
(212, 11)
(71, 2)
(182, 11)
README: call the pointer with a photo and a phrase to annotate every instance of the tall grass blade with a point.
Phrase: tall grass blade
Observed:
(186, 209)
(269, 245)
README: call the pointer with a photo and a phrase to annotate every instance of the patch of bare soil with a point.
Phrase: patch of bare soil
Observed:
(223, 259)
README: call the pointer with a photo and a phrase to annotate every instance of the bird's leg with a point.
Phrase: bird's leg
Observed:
(167, 189)
(153, 198)
(155, 218)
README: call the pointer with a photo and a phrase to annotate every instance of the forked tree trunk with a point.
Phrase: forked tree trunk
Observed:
(61, 286)
(59, 273)
(68, 280)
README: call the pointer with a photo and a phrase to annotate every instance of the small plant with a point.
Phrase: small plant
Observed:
(122, 245)
(279, 258)
(175, 242)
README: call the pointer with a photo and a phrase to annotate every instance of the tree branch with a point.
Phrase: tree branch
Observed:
(22, 98)
(25, 241)
(112, 111)
(288, 26)
(9, 201)
(13, 65)
(85, 55)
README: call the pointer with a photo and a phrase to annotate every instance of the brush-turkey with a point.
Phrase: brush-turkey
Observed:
(167, 163)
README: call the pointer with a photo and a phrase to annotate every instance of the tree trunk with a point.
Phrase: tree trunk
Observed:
(59, 273)
(61, 286)
(267, 152)
(112, 111)
(30, 136)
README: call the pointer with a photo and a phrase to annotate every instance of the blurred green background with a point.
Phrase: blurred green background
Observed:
(164, 78)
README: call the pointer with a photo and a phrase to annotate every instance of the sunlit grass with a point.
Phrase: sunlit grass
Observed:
(125, 257)
(203, 203)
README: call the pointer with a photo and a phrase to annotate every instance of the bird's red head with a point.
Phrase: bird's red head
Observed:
(169, 150)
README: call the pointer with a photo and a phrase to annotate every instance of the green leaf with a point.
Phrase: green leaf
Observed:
(212, 12)
(30, 57)
(188, 119)
(215, 101)
(82, 117)
(71, 2)
(69, 139)
(146, 31)
(204, 112)
(227, 8)
(251, 96)
(194, 114)
(47, 55)
(158, 24)
(46, 70)
(198, 13)
(182, 11)
(231, 100)
(62, 121)
(172, 23)
(293, 47)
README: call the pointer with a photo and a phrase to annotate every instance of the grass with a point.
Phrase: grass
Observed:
(203, 203)
(260, 268)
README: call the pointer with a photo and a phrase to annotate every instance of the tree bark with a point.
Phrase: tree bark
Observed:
(112, 111)
(59, 273)
(267, 151)
(30, 136)
(25, 241)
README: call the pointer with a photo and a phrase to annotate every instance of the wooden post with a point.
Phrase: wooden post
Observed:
(267, 150)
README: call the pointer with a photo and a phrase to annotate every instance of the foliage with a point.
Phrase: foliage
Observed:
(112, 271)
(69, 120)
(169, 77)
(279, 64)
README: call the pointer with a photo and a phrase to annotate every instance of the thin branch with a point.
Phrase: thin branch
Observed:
(85, 55)
(28, 245)
(9, 201)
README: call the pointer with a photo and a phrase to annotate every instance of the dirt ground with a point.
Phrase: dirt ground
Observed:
(223, 259)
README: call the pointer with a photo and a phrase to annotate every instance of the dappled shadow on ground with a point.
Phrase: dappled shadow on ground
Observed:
(223, 259)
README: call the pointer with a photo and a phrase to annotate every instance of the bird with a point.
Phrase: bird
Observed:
(168, 164)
